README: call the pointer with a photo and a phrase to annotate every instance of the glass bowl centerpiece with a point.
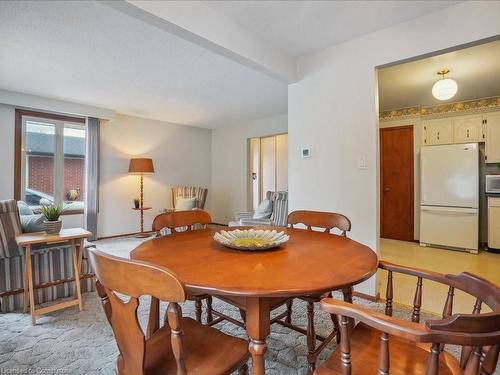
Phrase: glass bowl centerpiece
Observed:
(251, 239)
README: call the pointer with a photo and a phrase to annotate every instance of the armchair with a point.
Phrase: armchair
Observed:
(190, 192)
(279, 201)
(52, 266)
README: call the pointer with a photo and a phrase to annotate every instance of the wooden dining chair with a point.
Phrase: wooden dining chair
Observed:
(178, 222)
(382, 344)
(182, 345)
(327, 222)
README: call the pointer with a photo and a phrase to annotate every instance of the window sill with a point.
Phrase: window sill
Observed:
(64, 213)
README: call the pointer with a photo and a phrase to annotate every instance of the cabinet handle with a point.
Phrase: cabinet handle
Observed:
(438, 136)
(467, 133)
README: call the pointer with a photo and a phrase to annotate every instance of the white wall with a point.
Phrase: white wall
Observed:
(333, 108)
(181, 156)
(230, 164)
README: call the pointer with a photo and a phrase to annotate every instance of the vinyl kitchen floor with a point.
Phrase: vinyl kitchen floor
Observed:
(484, 264)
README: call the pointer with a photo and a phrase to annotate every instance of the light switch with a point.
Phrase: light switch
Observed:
(361, 162)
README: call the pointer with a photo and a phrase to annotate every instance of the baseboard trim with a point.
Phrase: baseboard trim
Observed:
(122, 235)
(368, 297)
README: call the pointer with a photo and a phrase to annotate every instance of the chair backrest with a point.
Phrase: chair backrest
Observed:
(10, 227)
(181, 219)
(134, 279)
(199, 193)
(279, 200)
(478, 334)
(316, 219)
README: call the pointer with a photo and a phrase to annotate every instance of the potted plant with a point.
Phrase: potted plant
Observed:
(52, 223)
(136, 202)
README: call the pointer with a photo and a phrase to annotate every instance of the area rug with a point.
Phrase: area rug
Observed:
(72, 342)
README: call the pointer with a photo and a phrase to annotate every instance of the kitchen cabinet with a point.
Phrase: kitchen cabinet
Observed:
(467, 129)
(437, 132)
(492, 141)
(494, 222)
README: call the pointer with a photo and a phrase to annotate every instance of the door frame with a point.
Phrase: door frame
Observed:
(249, 177)
(412, 179)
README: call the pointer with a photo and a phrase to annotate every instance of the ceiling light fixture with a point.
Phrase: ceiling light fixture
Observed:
(445, 88)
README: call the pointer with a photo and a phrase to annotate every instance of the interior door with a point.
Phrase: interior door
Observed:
(268, 164)
(396, 178)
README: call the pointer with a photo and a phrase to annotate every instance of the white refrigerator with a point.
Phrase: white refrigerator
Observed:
(449, 196)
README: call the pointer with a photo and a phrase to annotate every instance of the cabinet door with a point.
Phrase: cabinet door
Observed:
(438, 132)
(493, 138)
(467, 129)
(494, 223)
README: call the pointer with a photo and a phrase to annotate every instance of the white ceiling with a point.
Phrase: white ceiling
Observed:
(476, 71)
(90, 53)
(300, 27)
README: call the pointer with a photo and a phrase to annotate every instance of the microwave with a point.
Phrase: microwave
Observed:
(493, 183)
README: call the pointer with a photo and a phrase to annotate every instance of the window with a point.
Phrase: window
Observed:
(50, 160)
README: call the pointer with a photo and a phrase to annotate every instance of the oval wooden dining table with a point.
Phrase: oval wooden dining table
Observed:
(308, 264)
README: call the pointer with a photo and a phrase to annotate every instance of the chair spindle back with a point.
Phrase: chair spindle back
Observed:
(316, 219)
(181, 219)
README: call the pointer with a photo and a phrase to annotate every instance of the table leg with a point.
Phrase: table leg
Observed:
(29, 269)
(348, 298)
(76, 272)
(258, 327)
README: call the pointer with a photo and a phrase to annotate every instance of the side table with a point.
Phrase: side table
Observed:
(74, 236)
(142, 234)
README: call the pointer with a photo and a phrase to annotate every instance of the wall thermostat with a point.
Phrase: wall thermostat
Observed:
(306, 152)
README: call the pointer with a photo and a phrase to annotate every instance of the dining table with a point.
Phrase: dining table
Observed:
(310, 263)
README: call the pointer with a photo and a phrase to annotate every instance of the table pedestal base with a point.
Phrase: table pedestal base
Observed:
(258, 327)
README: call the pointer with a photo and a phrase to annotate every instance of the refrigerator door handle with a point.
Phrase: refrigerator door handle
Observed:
(450, 210)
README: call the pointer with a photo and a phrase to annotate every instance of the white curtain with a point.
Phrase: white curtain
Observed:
(92, 177)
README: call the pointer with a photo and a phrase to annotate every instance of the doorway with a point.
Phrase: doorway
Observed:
(396, 183)
(267, 166)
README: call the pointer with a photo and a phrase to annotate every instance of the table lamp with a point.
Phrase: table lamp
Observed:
(141, 166)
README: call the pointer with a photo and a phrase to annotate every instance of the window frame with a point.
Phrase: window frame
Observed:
(18, 147)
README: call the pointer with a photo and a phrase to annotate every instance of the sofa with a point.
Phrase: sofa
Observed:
(277, 217)
(52, 265)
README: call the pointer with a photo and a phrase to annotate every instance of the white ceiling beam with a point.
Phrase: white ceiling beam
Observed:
(198, 23)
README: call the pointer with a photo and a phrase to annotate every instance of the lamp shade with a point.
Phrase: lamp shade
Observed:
(444, 89)
(141, 165)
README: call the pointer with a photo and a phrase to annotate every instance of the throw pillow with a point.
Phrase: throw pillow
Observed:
(185, 204)
(24, 209)
(32, 223)
(264, 211)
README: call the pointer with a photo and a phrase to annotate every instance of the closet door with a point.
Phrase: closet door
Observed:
(268, 164)
(254, 178)
(282, 162)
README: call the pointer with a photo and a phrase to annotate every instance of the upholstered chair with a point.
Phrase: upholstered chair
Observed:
(199, 193)
(278, 217)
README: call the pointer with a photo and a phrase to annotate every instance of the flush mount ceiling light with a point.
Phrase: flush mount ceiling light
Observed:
(445, 88)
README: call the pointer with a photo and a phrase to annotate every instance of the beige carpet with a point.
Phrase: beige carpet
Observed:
(72, 342)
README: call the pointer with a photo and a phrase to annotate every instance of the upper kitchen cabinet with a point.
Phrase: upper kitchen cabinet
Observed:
(437, 132)
(492, 149)
(468, 129)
